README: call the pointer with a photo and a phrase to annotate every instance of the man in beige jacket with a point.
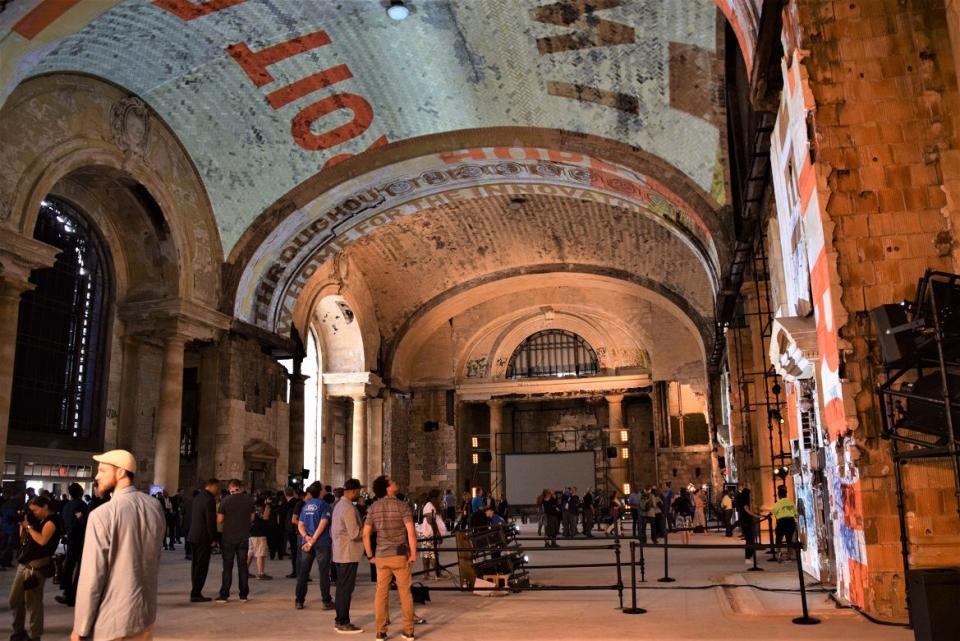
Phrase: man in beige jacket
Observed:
(117, 591)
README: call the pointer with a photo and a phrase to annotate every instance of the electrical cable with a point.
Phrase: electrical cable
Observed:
(868, 617)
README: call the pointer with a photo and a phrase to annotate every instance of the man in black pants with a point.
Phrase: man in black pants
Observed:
(290, 517)
(236, 513)
(74, 517)
(201, 535)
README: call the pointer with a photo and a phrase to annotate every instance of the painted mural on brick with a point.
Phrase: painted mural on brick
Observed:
(807, 271)
(301, 85)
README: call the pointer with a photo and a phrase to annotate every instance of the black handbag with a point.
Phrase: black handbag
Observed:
(421, 593)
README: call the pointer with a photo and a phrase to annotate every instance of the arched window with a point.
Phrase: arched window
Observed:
(59, 371)
(553, 352)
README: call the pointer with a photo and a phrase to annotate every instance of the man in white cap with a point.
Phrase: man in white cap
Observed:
(117, 591)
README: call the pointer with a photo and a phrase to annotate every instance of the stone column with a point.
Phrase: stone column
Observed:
(618, 472)
(358, 464)
(166, 468)
(496, 429)
(209, 412)
(328, 441)
(375, 441)
(297, 387)
(10, 292)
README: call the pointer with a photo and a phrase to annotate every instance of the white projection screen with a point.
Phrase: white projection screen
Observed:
(526, 475)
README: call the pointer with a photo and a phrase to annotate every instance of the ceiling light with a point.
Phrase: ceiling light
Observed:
(397, 10)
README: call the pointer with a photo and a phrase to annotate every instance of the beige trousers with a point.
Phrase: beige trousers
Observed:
(387, 568)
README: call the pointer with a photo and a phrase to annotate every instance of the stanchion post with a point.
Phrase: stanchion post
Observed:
(643, 564)
(666, 578)
(773, 549)
(806, 619)
(633, 609)
(616, 552)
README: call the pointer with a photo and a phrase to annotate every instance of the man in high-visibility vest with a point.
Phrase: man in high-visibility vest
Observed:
(785, 511)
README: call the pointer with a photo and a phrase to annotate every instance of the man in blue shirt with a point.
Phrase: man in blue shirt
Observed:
(314, 527)
(478, 502)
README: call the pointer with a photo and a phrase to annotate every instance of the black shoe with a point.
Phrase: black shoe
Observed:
(419, 620)
(347, 628)
(200, 599)
(328, 605)
(299, 605)
(245, 598)
(407, 636)
(222, 599)
(381, 636)
(62, 599)
(292, 575)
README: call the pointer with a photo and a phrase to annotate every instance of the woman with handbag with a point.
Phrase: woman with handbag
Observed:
(39, 536)
(430, 532)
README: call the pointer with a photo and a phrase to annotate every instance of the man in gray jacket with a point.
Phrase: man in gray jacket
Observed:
(347, 536)
(117, 591)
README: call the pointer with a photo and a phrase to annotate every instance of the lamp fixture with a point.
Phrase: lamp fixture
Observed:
(398, 10)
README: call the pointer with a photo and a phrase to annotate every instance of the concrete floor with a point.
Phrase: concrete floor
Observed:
(674, 612)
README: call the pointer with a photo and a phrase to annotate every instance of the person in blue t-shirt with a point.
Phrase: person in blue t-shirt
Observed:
(314, 527)
(478, 502)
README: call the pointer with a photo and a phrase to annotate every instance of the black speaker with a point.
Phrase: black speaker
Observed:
(611, 452)
(896, 347)
(305, 473)
(486, 457)
(431, 426)
(926, 416)
(722, 462)
(934, 595)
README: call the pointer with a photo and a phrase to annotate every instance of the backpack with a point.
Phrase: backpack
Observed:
(646, 503)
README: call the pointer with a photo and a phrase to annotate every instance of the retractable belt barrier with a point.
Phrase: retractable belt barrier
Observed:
(635, 543)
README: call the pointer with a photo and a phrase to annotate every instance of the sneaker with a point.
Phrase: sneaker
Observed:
(347, 628)
(245, 598)
(407, 636)
(419, 620)
(222, 599)
(299, 605)
(328, 605)
(292, 575)
(200, 599)
(381, 636)
(264, 577)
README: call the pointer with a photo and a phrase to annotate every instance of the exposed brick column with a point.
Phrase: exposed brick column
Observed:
(166, 468)
(496, 429)
(618, 473)
(297, 389)
(358, 464)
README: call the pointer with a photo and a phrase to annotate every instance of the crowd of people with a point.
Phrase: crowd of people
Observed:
(113, 540)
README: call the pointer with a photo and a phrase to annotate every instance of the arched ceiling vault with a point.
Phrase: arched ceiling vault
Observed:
(264, 94)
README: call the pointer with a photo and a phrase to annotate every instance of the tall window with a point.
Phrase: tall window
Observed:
(553, 352)
(59, 370)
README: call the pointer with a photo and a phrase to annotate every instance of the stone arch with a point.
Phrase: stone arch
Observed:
(292, 239)
(341, 339)
(80, 126)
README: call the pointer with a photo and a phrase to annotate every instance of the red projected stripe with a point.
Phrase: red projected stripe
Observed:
(42, 15)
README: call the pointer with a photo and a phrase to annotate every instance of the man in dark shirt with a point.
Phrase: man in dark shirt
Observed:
(236, 515)
(74, 515)
(201, 535)
(290, 518)
(586, 506)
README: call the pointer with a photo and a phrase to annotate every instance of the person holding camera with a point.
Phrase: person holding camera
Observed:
(40, 531)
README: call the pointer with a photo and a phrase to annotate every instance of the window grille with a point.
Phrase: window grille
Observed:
(61, 335)
(553, 352)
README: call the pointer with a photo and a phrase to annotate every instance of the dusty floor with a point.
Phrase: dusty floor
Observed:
(674, 610)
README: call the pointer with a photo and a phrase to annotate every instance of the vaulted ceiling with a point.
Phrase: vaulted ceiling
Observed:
(264, 94)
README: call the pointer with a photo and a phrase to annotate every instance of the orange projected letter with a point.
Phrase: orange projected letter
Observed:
(255, 64)
(301, 128)
(311, 83)
(41, 17)
(188, 10)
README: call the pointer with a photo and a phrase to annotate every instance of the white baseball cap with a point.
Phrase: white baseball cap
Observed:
(118, 458)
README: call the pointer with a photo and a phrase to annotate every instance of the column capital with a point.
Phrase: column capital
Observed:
(614, 398)
(175, 316)
(359, 399)
(297, 378)
(19, 256)
(496, 402)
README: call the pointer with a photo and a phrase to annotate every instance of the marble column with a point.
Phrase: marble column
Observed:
(496, 430)
(166, 468)
(618, 471)
(358, 464)
(10, 292)
(328, 440)
(297, 389)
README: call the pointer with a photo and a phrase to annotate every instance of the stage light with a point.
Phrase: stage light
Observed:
(776, 389)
